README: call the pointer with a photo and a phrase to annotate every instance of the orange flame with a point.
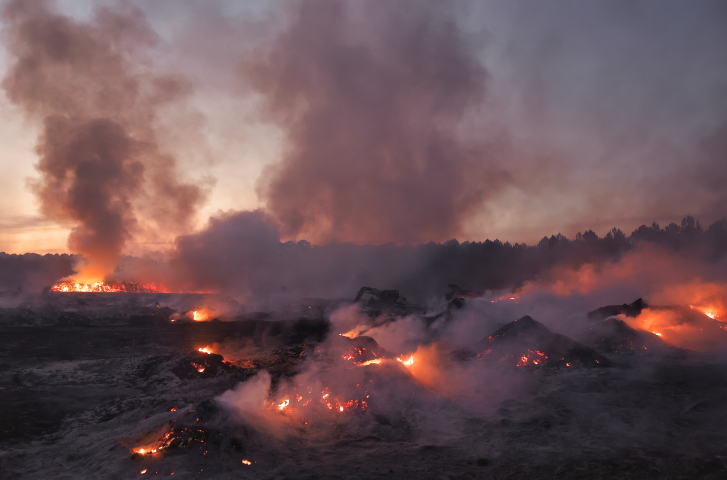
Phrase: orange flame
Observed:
(407, 363)
(146, 449)
(375, 361)
(247, 462)
(680, 329)
(101, 287)
(204, 350)
(710, 311)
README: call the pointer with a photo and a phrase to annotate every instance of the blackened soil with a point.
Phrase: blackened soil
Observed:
(48, 373)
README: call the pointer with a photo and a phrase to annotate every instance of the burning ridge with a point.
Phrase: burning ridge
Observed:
(112, 287)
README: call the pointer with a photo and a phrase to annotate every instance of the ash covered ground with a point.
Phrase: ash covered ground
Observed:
(452, 389)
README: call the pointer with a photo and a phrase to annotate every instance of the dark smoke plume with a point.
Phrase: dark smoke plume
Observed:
(32, 272)
(371, 96)
(97, 97)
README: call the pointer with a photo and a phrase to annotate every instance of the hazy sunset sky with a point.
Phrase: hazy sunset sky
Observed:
(404, 121)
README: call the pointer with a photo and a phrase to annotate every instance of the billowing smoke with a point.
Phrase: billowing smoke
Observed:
(241, 253)
(91, 86)
(32, 272)
(371, 96)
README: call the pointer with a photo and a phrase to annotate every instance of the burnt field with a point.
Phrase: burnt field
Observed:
(89, 380)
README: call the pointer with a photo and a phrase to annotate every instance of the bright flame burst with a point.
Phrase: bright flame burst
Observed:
(69, 286)
(407, 363)
(204, 350)
(101, 287)
(708, 311)
(375, 361)
(145, 450)
(199, 315)
(247, 462)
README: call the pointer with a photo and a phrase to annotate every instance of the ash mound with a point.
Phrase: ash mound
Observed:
(526, 342)
(629, 309)
(616, 336)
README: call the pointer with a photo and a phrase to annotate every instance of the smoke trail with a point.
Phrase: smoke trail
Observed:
(97, 97)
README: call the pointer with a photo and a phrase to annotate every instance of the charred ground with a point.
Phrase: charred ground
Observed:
(85, 379)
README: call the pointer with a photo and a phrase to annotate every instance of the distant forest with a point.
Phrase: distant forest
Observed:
(227, 260)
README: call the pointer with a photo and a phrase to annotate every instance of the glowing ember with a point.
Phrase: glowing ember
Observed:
(143, 471)
(325, 399)
(657, 334)
(407, 363)
(247, 462)
(533, 356)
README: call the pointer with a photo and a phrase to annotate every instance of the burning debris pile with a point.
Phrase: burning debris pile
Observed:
(526, 342)
(201, 364)
(361, 350)
(613, 335)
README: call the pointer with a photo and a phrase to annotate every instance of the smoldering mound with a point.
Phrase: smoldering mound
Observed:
(527, 341)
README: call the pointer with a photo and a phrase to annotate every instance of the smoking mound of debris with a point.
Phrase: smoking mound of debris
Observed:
(527, 342)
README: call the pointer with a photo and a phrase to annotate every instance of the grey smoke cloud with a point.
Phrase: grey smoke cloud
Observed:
(371, 96)
(401, 122)
(91, 86)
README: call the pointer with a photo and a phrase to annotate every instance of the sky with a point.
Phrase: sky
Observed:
(363, 122)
